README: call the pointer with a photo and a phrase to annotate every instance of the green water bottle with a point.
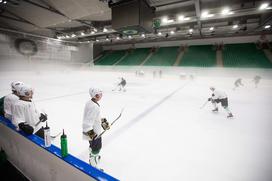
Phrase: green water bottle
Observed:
(63, 144)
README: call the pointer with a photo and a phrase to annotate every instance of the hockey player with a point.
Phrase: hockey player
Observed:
(92, 124)
(9, 100)
(122, 84)
(238, 83)
(219, 97)
(256, 80)
(26, 116)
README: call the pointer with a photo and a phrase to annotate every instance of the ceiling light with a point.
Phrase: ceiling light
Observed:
(172, 32)
(205, 14)
(1, 1)
(97, 40)
(67, 36)
(165, 20)
(267, 26)
(92, 32)
(263, 6)
(191, 30)
(129, 36)
(5, 2)
(235, 26)
(95, 30)
(211, 28)
(159, 33)
(143, 35)
(73, 35)
(181, 18)
(117, 38)
(187, 18)
(105, 30)
(226, 11)
(82, 33)
(107, 39)
(170, 21)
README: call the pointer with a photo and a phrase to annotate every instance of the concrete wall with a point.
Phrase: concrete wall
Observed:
(50, 51)
(207, 41)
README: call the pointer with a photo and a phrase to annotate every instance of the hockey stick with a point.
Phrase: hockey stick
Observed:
(204, 105)
(53, 137)
(110, 124)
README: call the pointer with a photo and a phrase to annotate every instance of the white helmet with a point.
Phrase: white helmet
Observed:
(15, 85)
(212, 88)
(94, 91)
(25, 91)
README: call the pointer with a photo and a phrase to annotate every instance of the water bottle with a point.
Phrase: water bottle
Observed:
(47, 137)
(63, 144)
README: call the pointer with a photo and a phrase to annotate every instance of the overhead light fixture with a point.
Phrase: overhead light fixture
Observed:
(92, 32)
(181, 18)
(226, 11)
(164, 19)
(117, 38)
(159, 33)
(105, 30)
(82, 33)
(205, 14)
(95, 30)
(143, 35)
(1, 1)
(73, 35)
(191, 30)
(5, 2)
(129, 36)
(67, 36)
(97, 40)
(211, 28)
(187, 18)
(263, 6)
(267, 26)
(235, 26)
(107, 39)
(172, 32)
(170, 21)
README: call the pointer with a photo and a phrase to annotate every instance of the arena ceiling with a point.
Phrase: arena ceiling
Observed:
(90, 20)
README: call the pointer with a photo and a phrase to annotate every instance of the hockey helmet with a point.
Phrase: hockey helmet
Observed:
(16, 85)
(25, 91)
(94, 91)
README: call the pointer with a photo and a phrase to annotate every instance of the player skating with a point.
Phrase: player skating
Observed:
(256, 80)
(238, 83)
(121, 85)
(219, 96)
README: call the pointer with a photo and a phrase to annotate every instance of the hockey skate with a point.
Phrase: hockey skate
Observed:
(215, 110)
(230, 115)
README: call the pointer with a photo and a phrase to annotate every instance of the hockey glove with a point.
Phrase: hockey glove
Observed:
(105, 124)
(92, 135)
(43, 117)
(26, 128)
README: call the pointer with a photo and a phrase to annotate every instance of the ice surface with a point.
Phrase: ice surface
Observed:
(163, 134)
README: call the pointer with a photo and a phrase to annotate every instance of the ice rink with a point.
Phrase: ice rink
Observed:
(163, 134)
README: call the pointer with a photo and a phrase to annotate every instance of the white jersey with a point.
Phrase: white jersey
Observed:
(92, 118)
(9, 102)
(26, 111)
(218, 94)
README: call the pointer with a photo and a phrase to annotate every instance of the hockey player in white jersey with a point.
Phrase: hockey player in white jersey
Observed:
(26, 116)
(92, 126)
(7, 102)
(219, 96)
